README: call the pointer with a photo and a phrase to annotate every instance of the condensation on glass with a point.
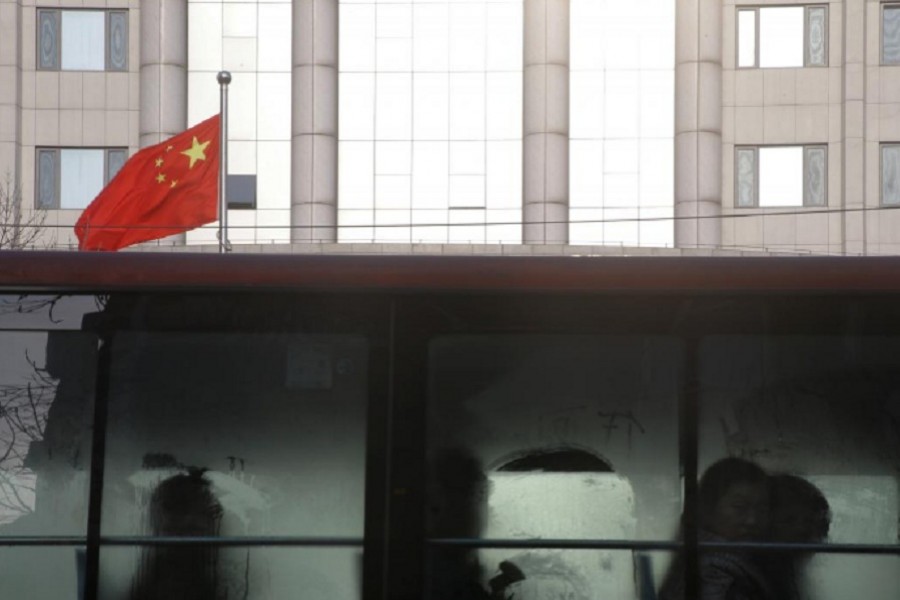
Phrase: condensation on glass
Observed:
(745, 177)
(890, 174)
(231, 435)
(553, 437)
(824, 412)
(47, 375)
(890, 34)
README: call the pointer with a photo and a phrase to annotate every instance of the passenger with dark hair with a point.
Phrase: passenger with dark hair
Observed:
(733, 507)
(800, 514)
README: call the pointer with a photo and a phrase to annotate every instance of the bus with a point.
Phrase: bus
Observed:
(269, 426)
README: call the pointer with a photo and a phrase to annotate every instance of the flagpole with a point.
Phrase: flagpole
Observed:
(224, 78)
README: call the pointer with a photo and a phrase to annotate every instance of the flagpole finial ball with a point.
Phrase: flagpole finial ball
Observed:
(224, 77)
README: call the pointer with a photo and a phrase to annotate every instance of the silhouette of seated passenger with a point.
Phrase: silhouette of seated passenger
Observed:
(799, 514)
(733, 496)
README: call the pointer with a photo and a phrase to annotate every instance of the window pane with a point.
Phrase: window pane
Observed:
(551, 413)
(781, 37)
(115, 160)
(816, 30)
(83, 40)
(270, 429)
(48, 39)
(118, 41)
(781, 176)
(891, 35)
(815, 177)
(81, 176)
(255, 573)
(746, 38)
(46, 395)
(890, 175)
(546, 574)
(42, 573)
(809, 408)
(745, 174)
(47, 179)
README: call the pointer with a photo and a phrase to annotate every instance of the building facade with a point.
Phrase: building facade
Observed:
(710, 124)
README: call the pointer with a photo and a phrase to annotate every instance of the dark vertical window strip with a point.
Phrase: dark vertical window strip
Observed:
(688, 415)
(98, 463)
(378, 464)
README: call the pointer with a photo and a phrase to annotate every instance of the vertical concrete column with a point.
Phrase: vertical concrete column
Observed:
(545, 152)
(854, 167)
(164, 53)
(314, 121)
(10, 82)
(698, 123)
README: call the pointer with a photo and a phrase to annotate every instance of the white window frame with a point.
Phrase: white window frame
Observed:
(756, 175)
(108, 63)
(756, 43)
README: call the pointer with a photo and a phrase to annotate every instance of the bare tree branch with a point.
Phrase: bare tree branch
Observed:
(19, 229)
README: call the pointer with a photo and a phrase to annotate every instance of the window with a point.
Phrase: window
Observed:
(72, 177)
(890, 174)
(82, 40)
(890, 34)
(780, 176)
(241, 191)
(782, 36)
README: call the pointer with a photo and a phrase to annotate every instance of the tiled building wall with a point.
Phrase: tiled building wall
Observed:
(783, 106)
(64, 108)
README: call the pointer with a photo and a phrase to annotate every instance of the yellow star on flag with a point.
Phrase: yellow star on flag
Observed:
(196, 152)
(159, 162)
(174, 183)
(160, 178)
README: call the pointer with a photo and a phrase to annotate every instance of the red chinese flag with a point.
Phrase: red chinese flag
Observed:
(162, 190)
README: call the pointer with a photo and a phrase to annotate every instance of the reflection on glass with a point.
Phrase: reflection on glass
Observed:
(746, 177)
(553, 437)
(46, 382)
(47, 379)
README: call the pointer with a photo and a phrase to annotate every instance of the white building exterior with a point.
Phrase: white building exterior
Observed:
(724, 125)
